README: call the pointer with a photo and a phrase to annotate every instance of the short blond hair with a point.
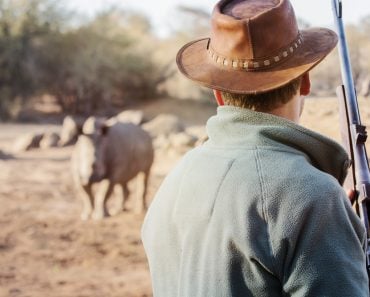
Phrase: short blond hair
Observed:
(264, 102)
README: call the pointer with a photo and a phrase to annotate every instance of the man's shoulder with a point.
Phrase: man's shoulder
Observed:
(288, 176)
(279, 165)
(277, 169)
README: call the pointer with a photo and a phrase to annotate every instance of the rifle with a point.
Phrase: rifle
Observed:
(354, 133)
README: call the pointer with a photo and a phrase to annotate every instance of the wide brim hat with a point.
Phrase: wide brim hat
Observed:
(259, 51)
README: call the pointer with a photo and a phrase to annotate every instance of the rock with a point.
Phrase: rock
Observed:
(161, 143)
(27, 142)
(131, 116)
(49, 140)
(70, 130)
(135, 117)
(182, 142)
(164, 124)
(178, 143)
(199, 132)
(5, 156)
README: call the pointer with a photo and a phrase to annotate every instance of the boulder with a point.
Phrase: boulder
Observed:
(178, 143)
(161, 143)
(5, 156)
(49, 140)
(164, 124)
(199, 132)
(183, 141)
(131, 116)
(27, 142)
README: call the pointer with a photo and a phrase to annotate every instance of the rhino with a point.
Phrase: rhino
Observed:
(110, 154)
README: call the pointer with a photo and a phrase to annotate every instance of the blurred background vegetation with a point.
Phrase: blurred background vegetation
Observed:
(115, 59)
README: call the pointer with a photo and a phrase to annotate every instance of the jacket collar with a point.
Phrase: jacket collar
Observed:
(240, 127)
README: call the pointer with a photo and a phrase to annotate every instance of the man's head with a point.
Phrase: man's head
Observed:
(271, 100)
(256, 53)
(286, 101)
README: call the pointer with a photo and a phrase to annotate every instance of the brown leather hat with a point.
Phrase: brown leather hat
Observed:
(255, 46)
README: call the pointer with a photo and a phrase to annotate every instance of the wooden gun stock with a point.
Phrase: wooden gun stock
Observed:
(350, 182)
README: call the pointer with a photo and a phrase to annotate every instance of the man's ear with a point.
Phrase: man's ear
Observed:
(218, 97)
(305, 85)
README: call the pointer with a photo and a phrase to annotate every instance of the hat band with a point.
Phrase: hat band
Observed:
(256, 64)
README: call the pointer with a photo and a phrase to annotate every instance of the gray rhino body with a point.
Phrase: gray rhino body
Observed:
(110, 155)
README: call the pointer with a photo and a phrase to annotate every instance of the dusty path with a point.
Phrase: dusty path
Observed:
(45, 250)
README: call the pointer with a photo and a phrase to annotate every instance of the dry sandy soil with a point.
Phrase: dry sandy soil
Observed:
(46, 251)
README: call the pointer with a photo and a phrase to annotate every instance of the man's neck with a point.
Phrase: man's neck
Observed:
(291, 110)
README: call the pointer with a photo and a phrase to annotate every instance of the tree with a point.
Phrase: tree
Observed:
(101, 63)
(22, 24)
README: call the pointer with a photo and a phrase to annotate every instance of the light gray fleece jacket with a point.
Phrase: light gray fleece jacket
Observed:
(258, 210)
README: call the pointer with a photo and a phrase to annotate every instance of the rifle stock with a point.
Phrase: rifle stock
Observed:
(357, 134)
(350, 181)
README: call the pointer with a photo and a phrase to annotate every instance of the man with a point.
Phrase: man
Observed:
(258, 210)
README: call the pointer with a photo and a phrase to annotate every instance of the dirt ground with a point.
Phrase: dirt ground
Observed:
(47, 251)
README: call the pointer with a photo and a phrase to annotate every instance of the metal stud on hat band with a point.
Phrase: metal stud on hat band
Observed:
(255, 64)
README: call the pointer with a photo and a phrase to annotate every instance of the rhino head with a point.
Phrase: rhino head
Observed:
(91, 147)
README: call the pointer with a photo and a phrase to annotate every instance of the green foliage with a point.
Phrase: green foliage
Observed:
(93, 66)
(23, 23)
(98, 65)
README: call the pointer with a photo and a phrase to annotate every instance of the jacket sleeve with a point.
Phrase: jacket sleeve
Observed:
(319, 247)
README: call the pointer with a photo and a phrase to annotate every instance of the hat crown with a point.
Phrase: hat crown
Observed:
(255, 47)
(253, 29)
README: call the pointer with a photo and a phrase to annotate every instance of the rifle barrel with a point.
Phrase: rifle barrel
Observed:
(357, 131)
(363, 174)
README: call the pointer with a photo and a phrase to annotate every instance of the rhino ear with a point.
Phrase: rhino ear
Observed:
(104, 130)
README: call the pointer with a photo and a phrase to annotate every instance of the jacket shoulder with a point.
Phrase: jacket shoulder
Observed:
(285, 173)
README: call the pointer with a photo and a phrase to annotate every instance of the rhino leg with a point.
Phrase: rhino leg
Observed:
(125, 197)
(105, 190)
(145, 191)
(141, 188)
(87, 201)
